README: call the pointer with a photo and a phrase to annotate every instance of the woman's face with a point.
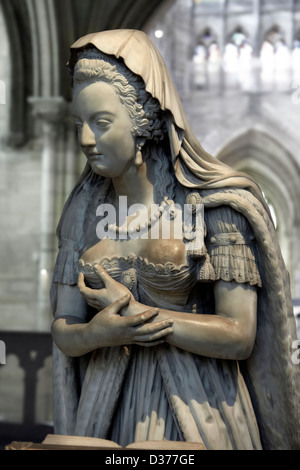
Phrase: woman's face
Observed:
(104, 129)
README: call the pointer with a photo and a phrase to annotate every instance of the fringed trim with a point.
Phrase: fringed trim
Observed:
(227, 261)
(235, 263)
(205, 270)
(66, 267)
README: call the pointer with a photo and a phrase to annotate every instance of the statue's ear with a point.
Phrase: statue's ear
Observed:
(140, 142)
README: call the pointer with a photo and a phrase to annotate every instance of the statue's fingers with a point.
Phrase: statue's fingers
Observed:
(117, 305)
(148, 329)
(102, 274)
(93, 304)
(154, 336)
(143, 317)
(83, 289)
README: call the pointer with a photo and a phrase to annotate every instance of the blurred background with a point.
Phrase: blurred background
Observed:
(236, 65)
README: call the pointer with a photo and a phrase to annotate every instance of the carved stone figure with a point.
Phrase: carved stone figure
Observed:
(156, 337)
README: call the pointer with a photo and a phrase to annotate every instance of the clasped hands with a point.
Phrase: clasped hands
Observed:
(120, 319)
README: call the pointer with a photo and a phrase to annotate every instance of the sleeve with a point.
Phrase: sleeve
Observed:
(231, 246)
(66, 267)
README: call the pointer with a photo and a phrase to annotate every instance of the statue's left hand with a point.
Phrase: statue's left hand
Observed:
(102, 298)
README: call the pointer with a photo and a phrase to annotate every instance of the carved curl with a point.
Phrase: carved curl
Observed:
(144, 111)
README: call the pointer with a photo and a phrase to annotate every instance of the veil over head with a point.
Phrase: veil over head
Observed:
(193, 166)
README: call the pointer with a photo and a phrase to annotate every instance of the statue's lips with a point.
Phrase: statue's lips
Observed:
(95, 158)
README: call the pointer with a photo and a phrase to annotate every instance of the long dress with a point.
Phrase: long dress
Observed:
(108, 393)
(201, 398)
(165, 392)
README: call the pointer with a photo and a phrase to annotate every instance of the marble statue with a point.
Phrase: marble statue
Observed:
(157, 338)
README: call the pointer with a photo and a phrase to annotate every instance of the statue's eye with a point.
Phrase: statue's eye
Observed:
(78, 126)
(103, 123)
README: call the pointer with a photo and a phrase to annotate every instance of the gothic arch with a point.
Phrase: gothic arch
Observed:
(33, 39)
(44, 39)
(16, 18)
(200, 37)
(275, 30)
(276, 171)
(40, 34)
(237, 29)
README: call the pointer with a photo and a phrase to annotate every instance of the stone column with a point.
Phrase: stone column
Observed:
(222, 44)
(292, 24)
(71, 150)
(256, 46)
(182, 66)
(50, 112)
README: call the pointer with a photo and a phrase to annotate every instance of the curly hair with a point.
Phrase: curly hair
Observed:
(144, 111)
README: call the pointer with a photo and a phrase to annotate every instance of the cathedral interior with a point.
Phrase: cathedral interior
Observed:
(236, 65)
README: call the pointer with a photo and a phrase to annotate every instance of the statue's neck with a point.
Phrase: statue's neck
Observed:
(136, 184)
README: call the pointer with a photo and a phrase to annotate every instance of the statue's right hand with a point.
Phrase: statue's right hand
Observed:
(109, 328)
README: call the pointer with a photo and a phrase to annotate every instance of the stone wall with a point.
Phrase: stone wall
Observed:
(20, 189)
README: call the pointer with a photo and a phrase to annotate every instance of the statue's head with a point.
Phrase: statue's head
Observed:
(111, 106)
(129, 63)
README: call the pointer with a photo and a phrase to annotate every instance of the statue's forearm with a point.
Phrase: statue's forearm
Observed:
(229, 334)
(70, 334)
(207, 335)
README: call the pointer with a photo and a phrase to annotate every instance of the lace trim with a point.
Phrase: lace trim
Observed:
(226, 262)
(130, 270)
(133, 261)
(235, 263)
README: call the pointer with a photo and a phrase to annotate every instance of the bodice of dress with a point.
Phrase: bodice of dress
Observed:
(231, 256)
(167, 286)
